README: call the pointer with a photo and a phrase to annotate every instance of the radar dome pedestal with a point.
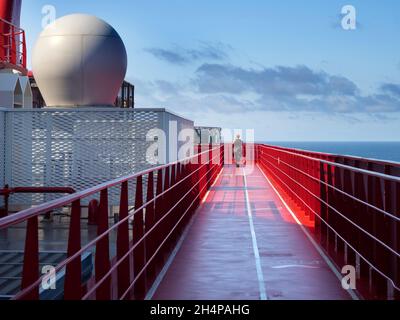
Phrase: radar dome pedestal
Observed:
(79, 60)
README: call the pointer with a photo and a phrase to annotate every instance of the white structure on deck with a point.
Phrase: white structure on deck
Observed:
(80, 147)
(15, 90)
(206, 135)
(79, 60)
(79, 63)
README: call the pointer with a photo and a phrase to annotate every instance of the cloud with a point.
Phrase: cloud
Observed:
(168, 55)
(391, 89)
(285, 81)
(167, 87)
(180, 56)
(226, 88)
(294, 89)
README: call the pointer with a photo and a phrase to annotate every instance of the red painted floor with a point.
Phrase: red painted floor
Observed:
(218, 258)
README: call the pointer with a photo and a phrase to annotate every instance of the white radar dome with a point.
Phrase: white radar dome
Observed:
(79, 60)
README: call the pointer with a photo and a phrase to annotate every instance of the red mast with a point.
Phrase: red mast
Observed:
(12, 37)
(6, 9)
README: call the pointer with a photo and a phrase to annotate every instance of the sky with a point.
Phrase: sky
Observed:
(285, 68)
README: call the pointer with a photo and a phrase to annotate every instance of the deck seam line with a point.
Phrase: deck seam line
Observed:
(260, 276)
(328, 261)
(172, 256)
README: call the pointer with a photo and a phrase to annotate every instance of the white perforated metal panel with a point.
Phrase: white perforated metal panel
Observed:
(78, 148)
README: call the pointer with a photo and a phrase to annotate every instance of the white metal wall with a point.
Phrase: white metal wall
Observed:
(78, 148)
(181, 124)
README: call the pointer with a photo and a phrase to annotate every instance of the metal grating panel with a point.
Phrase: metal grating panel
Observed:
(79, 148)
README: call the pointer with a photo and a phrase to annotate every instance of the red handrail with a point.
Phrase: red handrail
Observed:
(354, 212)
(180, 187)
(7, 191)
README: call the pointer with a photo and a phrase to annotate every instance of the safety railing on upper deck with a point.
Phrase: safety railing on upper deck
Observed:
(12, 46)
(354, 209)
(129, 254)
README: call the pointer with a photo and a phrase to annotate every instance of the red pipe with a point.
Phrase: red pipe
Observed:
(6, 192)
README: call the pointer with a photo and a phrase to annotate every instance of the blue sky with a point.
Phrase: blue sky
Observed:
(284, 68)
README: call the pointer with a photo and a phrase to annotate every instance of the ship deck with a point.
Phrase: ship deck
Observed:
(245, 244)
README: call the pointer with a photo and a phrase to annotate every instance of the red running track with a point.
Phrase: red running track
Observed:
(244, 244)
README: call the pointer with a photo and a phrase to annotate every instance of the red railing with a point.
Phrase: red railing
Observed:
(386, 167)
(12, 47)
(355, 213)
(142, 238)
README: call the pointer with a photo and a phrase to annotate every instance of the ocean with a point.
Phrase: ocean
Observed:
(389, 151)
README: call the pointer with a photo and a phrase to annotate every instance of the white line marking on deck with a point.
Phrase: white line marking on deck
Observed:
(260, 276)
(171, 258)
(268, 209)
(295, 266)
(308, 235)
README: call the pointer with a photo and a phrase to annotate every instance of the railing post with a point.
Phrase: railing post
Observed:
(349, 211)
(209, 166)
(139, 289)
(200, 180)
(320, 226)
(30, 272)
(150, 241)
(172, 216)
(184, 188)
(166, 206)
(23, 49)
(102, 259)
(180, 192)
(379, 257)
(4, 213)
(93, 211)
(13, 48)
(391, 234)
(304, 165)
(159, 210)
(73, 273)
(315, 189)
(396, 238)
(339, 243)
(123, 241)
(364, 242)
(331, 215)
